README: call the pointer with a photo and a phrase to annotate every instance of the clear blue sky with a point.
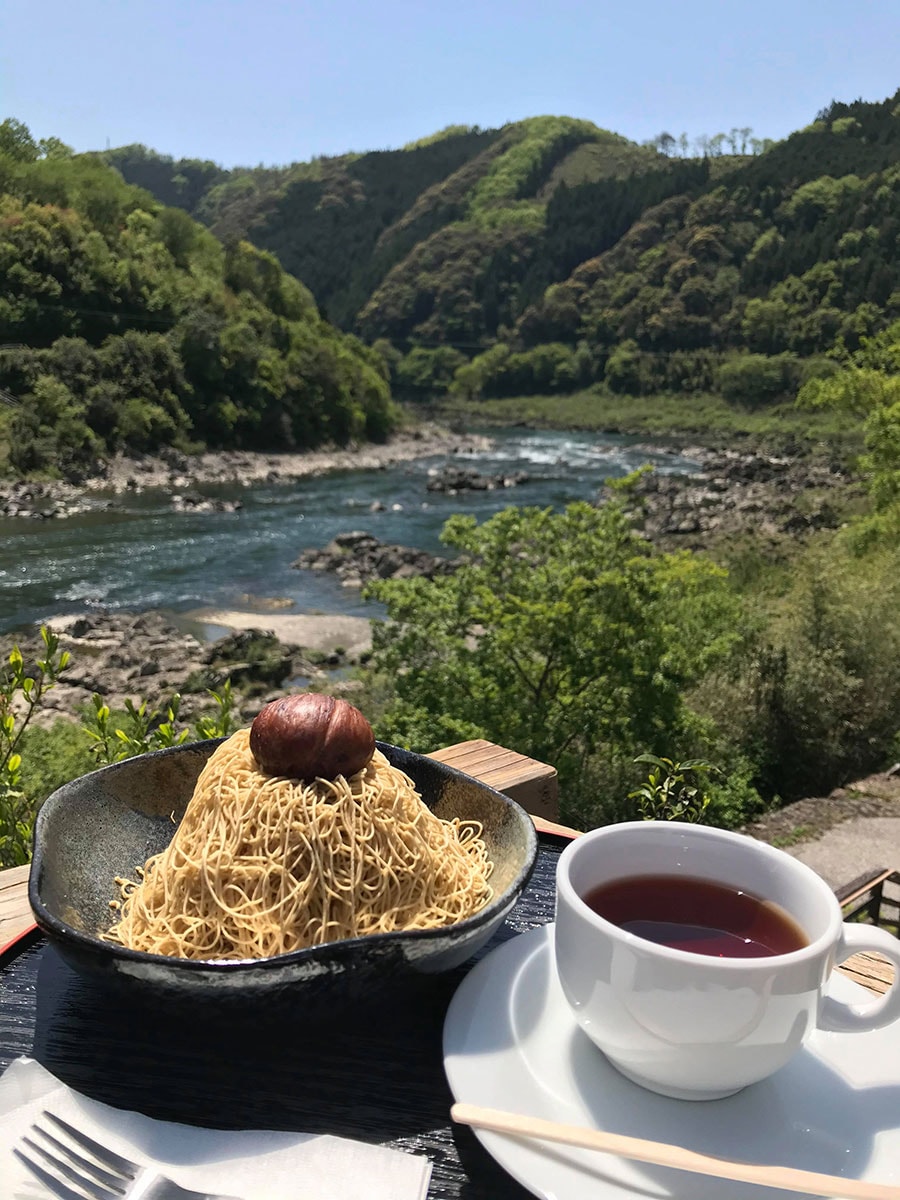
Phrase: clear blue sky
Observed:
(276, 81)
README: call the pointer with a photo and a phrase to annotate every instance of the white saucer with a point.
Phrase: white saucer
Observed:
(510, 1042)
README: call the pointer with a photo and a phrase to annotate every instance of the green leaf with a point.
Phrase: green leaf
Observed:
(651, 758)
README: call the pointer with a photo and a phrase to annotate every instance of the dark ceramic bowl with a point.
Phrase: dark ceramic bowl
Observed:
(108, 822)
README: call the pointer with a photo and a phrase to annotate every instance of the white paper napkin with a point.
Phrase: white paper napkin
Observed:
(250, 1164)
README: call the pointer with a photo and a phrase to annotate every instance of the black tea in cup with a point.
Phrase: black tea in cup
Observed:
(697, 915)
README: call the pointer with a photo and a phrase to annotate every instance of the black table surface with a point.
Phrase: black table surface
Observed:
(371, 1069)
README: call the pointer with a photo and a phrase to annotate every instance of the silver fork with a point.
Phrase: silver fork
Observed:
(97, 1172)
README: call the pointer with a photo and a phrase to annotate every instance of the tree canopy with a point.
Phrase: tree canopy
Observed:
(126, 325)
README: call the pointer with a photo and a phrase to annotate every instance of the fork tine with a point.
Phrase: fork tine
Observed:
(65, 1155)
(54, 1185)
(109, 1159)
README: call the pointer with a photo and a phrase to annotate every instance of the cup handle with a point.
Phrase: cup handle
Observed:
(857, 1018)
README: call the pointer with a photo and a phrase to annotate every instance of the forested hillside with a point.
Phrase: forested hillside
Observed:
(341, 224)
(126, 325)
(544, 257)
(550, 255)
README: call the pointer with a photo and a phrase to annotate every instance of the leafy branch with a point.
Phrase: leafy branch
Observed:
(673, 790)
(142, 731)
(21, 694)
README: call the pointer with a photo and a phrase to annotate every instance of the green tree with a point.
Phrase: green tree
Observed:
(49, 432)
(128, 326)
(627, 371)
(869, 388)
(812, 701)
(561, 635)
(427, 371)
(765, 325)
(16, 141)
(52, 147)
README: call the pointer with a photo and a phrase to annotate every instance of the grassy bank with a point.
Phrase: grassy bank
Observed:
(705, 418)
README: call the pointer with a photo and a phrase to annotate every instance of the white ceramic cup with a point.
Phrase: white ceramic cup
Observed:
(690, 1025)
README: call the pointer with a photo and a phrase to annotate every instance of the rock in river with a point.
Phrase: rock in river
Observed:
(358, 557)
(453, 480)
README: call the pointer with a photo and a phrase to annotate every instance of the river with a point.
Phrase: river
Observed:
(144, 555)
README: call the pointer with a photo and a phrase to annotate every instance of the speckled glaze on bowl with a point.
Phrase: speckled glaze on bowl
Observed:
(108, 822)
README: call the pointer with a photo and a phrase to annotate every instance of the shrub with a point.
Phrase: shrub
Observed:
(814, 701)
(22, 689)
(35, 760)
(115, 736)
(673, 791)
(51, 756)
(754, 379)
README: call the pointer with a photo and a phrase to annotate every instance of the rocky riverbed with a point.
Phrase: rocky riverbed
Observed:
(147, 657)
(182, 475)
(735, 492)
(731, 494)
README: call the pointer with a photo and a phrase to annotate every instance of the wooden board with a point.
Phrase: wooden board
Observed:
(871, 970)
(15, 911)
(530, 783)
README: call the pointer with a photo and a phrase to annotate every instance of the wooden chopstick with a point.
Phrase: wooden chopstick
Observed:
(542, 825)
(788, 1178)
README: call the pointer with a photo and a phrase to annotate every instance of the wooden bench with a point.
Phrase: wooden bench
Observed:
(866, 896)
